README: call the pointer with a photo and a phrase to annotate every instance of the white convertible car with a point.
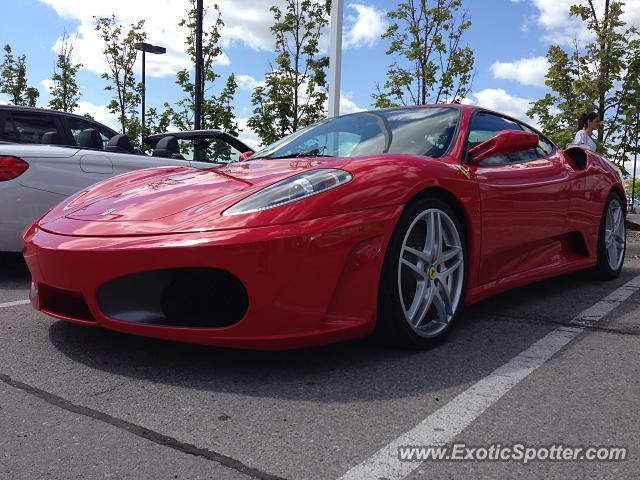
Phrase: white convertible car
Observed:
(35, 178)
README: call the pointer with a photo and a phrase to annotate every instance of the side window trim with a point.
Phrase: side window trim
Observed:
(62, 131)
(3, 115)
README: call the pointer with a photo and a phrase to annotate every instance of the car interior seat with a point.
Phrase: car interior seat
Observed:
(120, 143)
(51, 138)
(167, 147)
(90, 138)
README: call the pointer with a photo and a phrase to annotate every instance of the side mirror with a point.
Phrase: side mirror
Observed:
(244, 155)
(504, 143)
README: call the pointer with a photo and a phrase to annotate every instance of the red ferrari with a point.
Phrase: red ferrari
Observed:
(384, 222)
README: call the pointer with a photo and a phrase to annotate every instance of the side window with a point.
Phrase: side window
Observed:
(186, 148)
(77, 126)
(210, 150)
(545, 147)
(27, 127)
(486, 125)
(215, 150)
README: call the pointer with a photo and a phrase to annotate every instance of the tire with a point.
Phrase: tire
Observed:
(419, 295)
(612, 239)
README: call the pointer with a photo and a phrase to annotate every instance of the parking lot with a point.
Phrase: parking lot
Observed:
(78, 402)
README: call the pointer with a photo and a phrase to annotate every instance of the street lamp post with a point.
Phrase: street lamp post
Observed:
(146, 47)
(633, 183)
(197, 113)
(335, 57)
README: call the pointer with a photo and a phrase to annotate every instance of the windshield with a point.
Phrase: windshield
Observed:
(424, 131)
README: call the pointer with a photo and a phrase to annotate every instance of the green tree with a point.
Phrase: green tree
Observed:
(65, 92)
(13, 79)
(632, 186)
(435, 67)
(600, 76)
(625, 144)
(217, 109)
(293, 94)
(157, 122)
(120, 52)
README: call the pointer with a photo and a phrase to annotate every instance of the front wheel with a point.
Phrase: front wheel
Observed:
(612, 239)
(423, 276)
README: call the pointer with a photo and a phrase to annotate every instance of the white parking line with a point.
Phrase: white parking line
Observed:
(13, 304)
(445, 424)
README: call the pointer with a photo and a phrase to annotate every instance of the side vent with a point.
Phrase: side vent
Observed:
(577, 156)
(577, 244)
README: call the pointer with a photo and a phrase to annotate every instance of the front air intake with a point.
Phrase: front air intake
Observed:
(63, 303)
(181, 297)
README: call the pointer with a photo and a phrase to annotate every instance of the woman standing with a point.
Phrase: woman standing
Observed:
(587, 123)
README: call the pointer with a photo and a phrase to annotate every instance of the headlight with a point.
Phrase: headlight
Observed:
(290, 190)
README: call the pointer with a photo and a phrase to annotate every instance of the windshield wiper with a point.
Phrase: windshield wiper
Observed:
(311, 153)
(302, 154)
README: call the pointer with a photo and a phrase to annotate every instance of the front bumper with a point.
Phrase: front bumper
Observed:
(308, 283)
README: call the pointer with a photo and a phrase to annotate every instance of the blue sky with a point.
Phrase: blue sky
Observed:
(510, 39)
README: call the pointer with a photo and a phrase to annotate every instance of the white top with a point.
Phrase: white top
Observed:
(584, 139)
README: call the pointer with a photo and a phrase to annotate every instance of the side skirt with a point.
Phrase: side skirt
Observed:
(524, 278)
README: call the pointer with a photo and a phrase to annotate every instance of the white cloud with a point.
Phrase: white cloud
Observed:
(247, 82)
(527, 71)
(553, 16)
(47, 83)
(347, 105)
(248, 25)
(247, 135)
(368, 26)
(88, 50)
(99, 112)
(499, 100)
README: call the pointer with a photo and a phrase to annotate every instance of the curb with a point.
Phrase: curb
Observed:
(632, 225)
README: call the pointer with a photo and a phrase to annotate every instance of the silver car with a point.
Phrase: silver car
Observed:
(35, 178)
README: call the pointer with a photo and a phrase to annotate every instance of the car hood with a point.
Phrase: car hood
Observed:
(169, 199)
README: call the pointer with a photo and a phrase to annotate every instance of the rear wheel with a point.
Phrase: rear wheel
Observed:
(612, 239)
(423, 276)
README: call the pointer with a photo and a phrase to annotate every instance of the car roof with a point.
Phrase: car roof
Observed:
(185, 134)
(21, 108)
(45, 110)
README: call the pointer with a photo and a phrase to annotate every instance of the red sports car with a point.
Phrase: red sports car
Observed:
(386, 221)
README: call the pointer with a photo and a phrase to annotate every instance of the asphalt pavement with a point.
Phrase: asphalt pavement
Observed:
(83, 403)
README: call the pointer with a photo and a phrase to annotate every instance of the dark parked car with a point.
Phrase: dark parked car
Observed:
(31, 124)
(207, 146)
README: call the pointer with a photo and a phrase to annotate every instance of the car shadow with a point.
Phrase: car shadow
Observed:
(350, 371)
